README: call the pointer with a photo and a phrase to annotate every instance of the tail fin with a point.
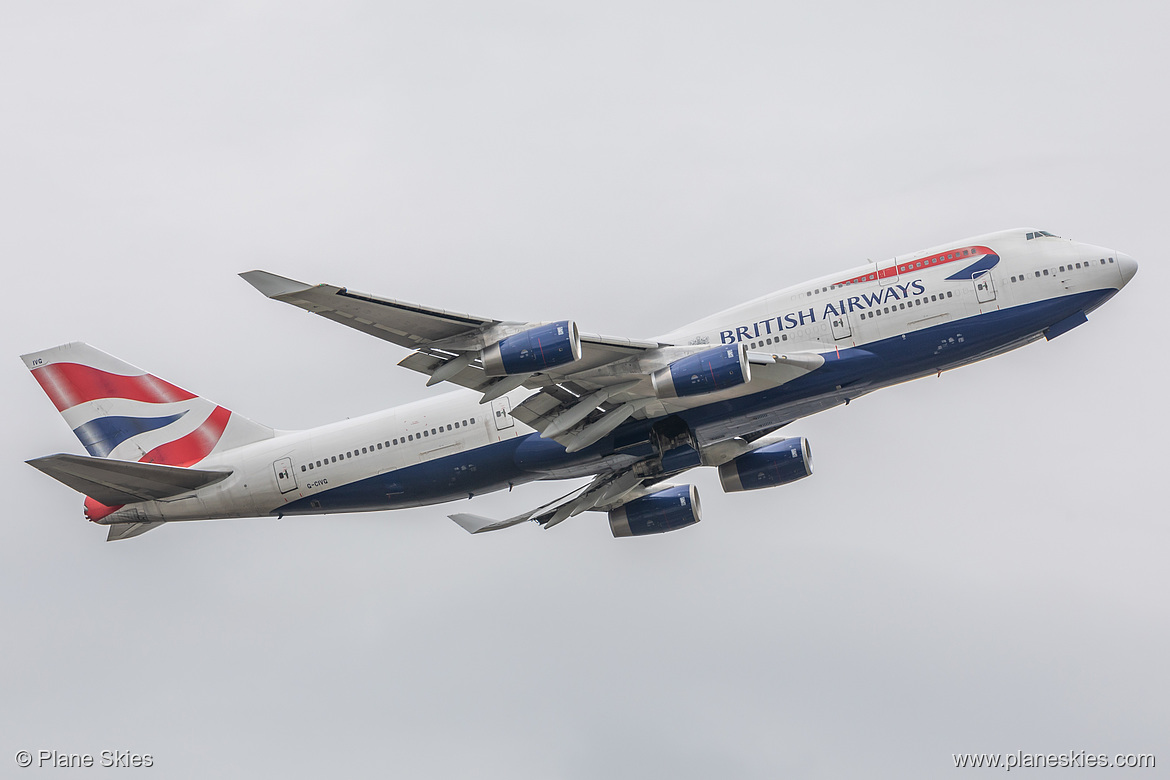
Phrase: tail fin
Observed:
(121, 412)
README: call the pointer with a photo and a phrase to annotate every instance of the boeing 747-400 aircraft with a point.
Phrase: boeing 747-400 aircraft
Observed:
(544, 401)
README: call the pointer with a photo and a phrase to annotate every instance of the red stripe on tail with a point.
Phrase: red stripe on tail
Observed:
(70, 384)
(193, 447)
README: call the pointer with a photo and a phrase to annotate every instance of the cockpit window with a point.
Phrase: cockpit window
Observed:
(1039, 233)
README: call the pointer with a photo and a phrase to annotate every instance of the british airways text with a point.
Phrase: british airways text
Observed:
(895, 292)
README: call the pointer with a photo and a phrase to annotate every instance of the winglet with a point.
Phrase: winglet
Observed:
(272, 285)
(473, 524)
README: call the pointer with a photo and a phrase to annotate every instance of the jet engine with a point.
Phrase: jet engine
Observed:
(776, 464)
(703, 372)
(536, 349)
(657, 513)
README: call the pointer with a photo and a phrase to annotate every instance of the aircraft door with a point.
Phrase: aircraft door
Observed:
(841, 329)
(984, 287)
(286, 480)
(502, 412)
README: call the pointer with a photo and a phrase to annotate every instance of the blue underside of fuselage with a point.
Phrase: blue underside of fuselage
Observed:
(850, 373)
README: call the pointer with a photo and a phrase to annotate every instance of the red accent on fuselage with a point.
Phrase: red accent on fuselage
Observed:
(949, 256)
(70, 384)
(96, 510)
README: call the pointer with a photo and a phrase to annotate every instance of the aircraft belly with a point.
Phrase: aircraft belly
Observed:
(474, 471)
(887, 362)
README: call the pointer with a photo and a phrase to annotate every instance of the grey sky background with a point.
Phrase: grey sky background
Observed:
(978, 563)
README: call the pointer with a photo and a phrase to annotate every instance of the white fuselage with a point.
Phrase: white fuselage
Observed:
(902, 311)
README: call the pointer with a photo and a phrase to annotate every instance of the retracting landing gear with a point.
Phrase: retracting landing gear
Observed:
(675, 445)
(672, 433)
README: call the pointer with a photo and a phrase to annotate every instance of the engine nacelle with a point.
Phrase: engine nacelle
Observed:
(536, 349)
(703, 372)
(657, 513)
(776, 464)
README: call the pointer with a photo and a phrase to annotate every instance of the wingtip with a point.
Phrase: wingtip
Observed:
(273, 285)
(473, 524)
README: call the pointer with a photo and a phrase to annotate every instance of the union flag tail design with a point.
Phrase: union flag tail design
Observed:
(121, 412)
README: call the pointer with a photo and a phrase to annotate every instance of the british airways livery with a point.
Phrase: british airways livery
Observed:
(545, 401)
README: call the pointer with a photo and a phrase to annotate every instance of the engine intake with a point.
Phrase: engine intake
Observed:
(704, 372)
(657, 513)
(536, 349)
(776, 464)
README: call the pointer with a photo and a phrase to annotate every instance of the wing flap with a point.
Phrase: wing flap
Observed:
(114, 482)
(605, 492)
(471, 376)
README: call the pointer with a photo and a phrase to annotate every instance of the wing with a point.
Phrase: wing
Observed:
(606, 491)
(405, 324)
(448, 347)
(576, 403)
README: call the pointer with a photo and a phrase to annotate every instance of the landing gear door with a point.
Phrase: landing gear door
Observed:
(286, 480)
(841, 329)
(502, 412)
(984, 287)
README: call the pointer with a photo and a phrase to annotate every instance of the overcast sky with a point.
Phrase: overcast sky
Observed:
(978, 563)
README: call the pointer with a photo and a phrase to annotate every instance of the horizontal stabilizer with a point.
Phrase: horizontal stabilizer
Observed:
(114, 482)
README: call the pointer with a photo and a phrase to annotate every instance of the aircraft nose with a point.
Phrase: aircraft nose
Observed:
(1127, 266)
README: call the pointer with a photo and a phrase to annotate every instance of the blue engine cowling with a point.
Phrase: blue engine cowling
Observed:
(536, 349)
(704, 372)
(657, 513)
(776, 464)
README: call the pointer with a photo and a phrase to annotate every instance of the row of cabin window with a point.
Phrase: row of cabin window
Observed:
(777, 340)
(875, 312)
(1069, 267)
(378, 446)
(436, 431)
(904, 304)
